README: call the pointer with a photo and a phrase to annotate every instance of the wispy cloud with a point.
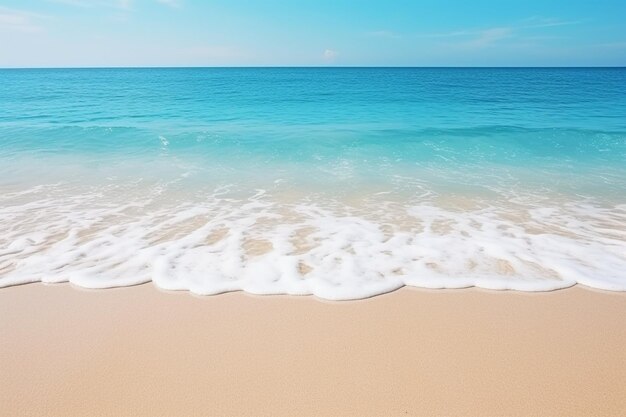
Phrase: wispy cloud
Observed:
(20, 21)
(487, 37)
(545, 22)
(473, 39)
(454, 34)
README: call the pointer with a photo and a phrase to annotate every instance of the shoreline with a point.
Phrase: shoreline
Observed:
(129, 233)
(142, 351)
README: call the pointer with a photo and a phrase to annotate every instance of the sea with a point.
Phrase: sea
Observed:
(343, 183)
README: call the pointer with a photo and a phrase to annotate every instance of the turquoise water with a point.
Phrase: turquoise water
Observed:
(340, 182)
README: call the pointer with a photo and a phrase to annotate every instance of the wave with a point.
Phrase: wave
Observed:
(215, 243)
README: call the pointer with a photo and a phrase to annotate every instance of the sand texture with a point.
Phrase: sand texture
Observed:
(139, 351)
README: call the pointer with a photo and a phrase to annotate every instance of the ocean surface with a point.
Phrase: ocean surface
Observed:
(339, 182)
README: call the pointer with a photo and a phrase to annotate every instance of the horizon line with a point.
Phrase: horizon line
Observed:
(320, 67)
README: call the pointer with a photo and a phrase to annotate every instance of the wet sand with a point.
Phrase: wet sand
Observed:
(139, 351)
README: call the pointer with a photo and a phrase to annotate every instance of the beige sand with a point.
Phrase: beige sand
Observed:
(142, 352)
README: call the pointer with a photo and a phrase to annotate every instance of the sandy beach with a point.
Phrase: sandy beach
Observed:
(312, 209)
(139, 351)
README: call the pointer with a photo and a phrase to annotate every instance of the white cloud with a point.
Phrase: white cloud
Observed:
(330, 55)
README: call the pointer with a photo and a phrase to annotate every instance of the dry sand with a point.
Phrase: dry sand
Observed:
(142, 352)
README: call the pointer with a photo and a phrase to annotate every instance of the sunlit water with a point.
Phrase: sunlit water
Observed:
(343, 183)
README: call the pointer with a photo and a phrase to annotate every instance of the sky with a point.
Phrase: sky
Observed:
(112, 33)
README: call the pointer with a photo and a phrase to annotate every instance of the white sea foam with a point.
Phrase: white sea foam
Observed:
(209, 244)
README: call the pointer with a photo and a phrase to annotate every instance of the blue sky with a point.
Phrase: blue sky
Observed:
(44, 33)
